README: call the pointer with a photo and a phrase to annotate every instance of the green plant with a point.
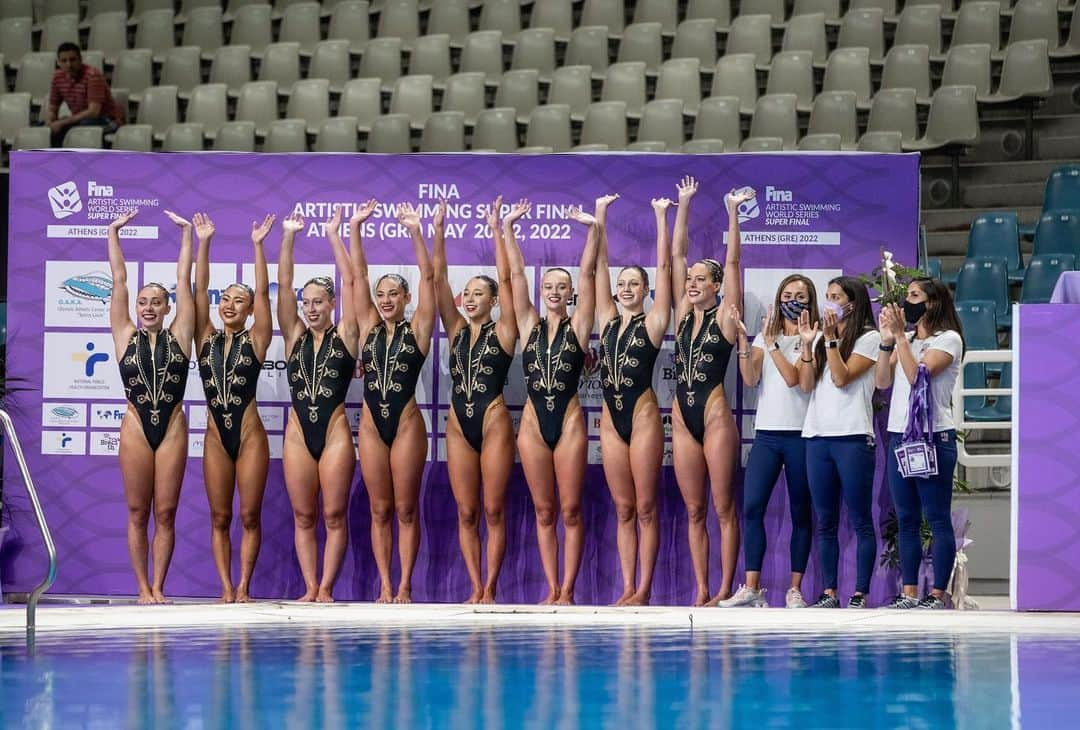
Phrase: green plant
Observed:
(889, 280)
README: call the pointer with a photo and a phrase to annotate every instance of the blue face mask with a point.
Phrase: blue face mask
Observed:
(793, 308)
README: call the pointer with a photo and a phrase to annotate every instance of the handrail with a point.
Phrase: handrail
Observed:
(963, 456)
(32, 599)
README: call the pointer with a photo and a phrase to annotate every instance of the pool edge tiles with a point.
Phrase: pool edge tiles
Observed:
(207, 616)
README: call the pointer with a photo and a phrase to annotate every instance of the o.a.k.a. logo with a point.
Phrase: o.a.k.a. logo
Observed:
(95, 286)
(64, 200)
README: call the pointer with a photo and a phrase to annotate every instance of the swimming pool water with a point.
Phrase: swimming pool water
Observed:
(485, 677)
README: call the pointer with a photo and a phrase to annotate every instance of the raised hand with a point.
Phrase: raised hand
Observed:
(807, 332)
(736, 316)
(182, 222)
(204, 227)
(440, 215)
(363, 212)
(767, 332)
(735, 197)
(830, 322)
(602, 204)
(577, 214)
(890, 324)
(661, 205)
(687, 187)
(333, 223)
(409, 217)
(259, 231)
(293, 223)
(520, 208)
(493, 213)
(124, 219)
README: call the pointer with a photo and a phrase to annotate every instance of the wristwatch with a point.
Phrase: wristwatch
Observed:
(775, 345)
(832, 344)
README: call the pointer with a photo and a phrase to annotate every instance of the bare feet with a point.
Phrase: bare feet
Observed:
(242, 595)
(228, 595)
(489, 595)
(721, 596)
(159, 596)
(324, 596)
(476, 596)
(552, 598)
(627, 594)
(146, 598)
(641, 598)
(309, 595)
(566, 598)
(404, 595)
(702, 597)
(385, 595)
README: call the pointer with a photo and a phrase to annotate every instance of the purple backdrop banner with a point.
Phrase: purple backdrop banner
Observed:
(1046, 474)
(817, 214)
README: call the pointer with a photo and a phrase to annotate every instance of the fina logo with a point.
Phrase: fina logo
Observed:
(64, 200)
(95, 286)
(748, 209)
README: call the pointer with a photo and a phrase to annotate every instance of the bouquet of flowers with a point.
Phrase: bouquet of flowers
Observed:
(889, 279)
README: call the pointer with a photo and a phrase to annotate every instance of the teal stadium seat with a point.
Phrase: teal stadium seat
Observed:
(980, 333)
(986, 279)
(1058, 232)
(997, 235)
(1042, 274)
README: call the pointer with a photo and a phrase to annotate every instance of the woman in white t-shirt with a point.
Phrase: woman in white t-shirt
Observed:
(839, 429)
(937, 343)
(772, 364)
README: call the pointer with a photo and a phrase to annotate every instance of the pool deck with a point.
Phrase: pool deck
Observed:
(995, 617)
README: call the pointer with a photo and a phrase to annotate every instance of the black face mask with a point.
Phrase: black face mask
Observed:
(913, 311)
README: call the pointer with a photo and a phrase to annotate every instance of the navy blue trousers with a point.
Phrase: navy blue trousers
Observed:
(771, 452)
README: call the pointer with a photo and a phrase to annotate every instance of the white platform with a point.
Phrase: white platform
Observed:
(101, 618)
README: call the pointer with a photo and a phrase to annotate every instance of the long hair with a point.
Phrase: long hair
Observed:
(859, 321)
(940, 309)
(776, 324)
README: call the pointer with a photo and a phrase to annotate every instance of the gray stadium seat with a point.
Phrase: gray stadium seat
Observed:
(719, 118)
(718, 10)
(849, 69)
(704, 147)
(134, 138)
(881, 142)
(337, 134)
(503, 16)
(663, 12)
(496, 129)
(642, 42)
(680, 78)
(775, 116)
(555, 14)
(571, 85)
(605, 123)
(205, 28)
(920, 25)
(236, 136)
(662, 121)
(696, 38)
(310, 101)
(626, 82)
(1025, 72)
(330, 61)
(608, 13)
(820, 142)
(382, 60)
(14, 114)
(908, 67)
(208, 107)
(301, 24)
(450, 17)
(251, 27)
(834, 113)
(894, 110)
(864, 28)
(158, 108)
(390, 133)
(535, 48)
(444, 132)
(186, 137)
(792, 72)
(807, 33)
(349, 21)
(751, 34)
(361, 99)
(134, 72)
(155, 31)
(413, 96)
(281, 64)
(286, 135)
(483, 52)
(520, 90)
(400, 19)
(258, 103)
(549, 125)
(465, 93)
(182, 69)
(89, 138)
(589, 47)
(16, 39)
(231, 66)
(108, 34)
(735, 76)
(431, 56)
(32, 138)
(953, 119)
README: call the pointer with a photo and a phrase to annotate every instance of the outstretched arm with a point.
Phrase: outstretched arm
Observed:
(263, 328)
(687, 187)
(183, 325)
(204, 231)
(524, 311)
(506, 328)
(288, 319)
(605, 303)
(585, 312)
(423, 321)
(119, 314)
(363, 306)
(452, 321)
(732, 271)
(347, 322)
(658, 318)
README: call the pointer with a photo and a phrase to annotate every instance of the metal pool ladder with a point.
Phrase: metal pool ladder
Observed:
(32, 599)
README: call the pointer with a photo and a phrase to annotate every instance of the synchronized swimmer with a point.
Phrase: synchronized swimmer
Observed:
(815, 375)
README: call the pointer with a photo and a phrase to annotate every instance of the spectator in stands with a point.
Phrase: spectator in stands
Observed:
(85, 91)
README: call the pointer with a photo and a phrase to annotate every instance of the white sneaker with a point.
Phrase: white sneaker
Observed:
(794, 599)
(745, 597)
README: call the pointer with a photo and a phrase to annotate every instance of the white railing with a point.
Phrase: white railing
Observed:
(960, 390)
(35, 594)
